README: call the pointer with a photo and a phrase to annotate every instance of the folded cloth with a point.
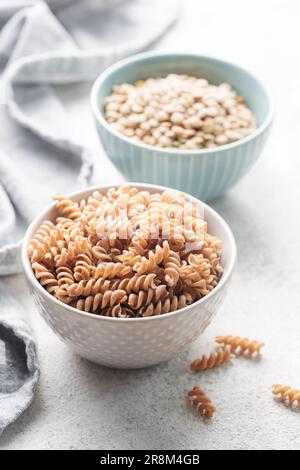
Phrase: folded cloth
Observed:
(18, 361)
(43, 44)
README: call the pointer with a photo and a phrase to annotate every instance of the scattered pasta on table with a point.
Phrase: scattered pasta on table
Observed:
(287, 395)
(241, 346)
(201, 402)
(215, 359)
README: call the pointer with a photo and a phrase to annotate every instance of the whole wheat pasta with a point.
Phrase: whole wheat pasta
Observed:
(39, 243)
(83, 268)
(287, 394)
(118, 312)
(100, 254)
(94, 302)
(166, 306)
(136, 301)
(238, 345)
(147, 297)
(45, 277)
(137, 283)
(71, 252)
(111, 270)
(65, 276)
(215, 359)
(68, 209)
(130, 258)
(172, 265)
(67, 230)
(126, 253)
(138, 245)
(61, 293)
(201, 402)
(149, 263)
(89, 287)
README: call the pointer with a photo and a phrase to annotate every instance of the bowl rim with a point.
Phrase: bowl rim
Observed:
(143, 186)
(165, 151)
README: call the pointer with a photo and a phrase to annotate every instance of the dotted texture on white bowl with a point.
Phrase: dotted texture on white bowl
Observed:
(128, 344)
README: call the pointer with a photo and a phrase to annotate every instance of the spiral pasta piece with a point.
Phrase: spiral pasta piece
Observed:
(143, 282)
(40, 245)
(144, 298)
(61, 293)
(84, 267)
(172, 265)
(41, 235)
(138, 245)
(147, 265)
(287, 394)
(201, 402)
(68, 208)
(170, 197)
(100, 254)
(135, 301)
(111, 270)
(135, 284)
(117, 311)
(89, 287)
(71, 252)
(64, 276)
(99, 301)
(67, 230)
(129, 258)
(37, 251)
(215, 359)
(238, 345)
(92, 204)
(45, 277)
(166, 306)
(138, 283)
(113, 228)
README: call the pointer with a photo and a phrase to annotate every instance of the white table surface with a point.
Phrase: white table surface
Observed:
(80, 405)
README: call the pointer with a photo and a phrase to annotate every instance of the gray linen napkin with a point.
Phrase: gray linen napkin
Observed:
(43, 44)
(18, 362)
(39, 47)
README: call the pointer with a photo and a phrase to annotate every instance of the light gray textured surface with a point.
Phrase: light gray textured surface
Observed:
(84, 406)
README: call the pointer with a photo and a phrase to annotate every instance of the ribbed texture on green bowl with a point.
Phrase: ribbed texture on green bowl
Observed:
(205, 176)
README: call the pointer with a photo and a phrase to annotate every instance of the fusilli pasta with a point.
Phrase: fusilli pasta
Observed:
(99, 301)
(287, 394)
(200, 400)
(126, 253)
(46, 278)
(65, 276)
(215, 359)
(69, 209)
(238, 345)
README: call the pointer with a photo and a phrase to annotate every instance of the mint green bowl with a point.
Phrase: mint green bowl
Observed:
(204, 173)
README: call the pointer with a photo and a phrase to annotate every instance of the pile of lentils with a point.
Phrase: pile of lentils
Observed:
(179, 111)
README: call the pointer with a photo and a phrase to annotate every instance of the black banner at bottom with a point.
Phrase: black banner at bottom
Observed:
(121, 458)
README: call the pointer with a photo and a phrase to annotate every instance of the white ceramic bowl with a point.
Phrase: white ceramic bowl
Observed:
(131, 343)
